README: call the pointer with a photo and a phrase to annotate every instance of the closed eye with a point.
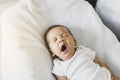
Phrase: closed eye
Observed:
(65, 35)
(54, 40)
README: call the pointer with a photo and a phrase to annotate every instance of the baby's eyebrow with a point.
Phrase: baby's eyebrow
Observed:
(65, 33)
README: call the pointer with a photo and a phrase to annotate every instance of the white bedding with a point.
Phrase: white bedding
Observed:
(109, 11)
(3, 5)
(24, 54)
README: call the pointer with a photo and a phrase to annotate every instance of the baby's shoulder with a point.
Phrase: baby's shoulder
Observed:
(56, 60)
(84, 48)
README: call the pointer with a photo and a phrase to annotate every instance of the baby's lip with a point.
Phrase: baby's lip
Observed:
(63, 48)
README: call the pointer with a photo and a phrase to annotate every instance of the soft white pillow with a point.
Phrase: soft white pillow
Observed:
(109, 11)
(24, 55)
(3, 5)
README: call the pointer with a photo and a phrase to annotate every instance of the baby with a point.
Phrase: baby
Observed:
(72, 61)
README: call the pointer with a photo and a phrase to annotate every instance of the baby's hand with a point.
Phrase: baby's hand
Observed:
(114, 78)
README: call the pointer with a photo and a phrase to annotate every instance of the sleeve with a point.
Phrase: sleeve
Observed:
(89, 52)
(58, 68)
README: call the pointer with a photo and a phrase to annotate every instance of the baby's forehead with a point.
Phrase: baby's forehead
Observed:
(60, 28)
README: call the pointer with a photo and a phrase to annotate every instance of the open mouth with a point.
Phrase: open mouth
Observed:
(63, 48)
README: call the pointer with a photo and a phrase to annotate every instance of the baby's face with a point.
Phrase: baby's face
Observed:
(61, 42)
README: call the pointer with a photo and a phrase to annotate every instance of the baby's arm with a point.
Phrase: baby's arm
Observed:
(61, 77)
(96, 60)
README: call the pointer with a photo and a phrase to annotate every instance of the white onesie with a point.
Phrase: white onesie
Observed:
(81, 66)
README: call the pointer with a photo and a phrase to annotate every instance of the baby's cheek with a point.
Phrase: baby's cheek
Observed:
(53, 47)
(56, 47)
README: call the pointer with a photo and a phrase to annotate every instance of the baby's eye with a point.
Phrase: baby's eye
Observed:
(54, 40)
(65, 35)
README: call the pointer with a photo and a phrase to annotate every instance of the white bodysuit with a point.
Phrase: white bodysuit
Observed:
(81, 66)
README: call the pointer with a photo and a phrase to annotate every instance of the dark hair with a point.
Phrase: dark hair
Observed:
(45, 36)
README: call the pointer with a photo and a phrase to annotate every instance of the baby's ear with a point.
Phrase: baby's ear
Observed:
(75, 42)
(53, 55)
(50, 50)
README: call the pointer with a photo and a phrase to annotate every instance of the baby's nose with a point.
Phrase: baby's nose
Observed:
(61, 40)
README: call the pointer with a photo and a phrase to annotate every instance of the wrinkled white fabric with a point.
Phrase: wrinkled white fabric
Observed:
(81, 66)
(109, 12)
(3, 5)
(24, 55)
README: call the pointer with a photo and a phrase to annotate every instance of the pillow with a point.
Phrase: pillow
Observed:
(3, 5)
(109, 12)
(24, 54)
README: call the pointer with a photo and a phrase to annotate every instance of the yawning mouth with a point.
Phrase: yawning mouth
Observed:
(63, 48)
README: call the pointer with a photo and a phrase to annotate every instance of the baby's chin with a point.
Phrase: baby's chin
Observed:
(68, 55)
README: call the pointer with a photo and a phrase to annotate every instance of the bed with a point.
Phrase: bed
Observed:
(24, 55)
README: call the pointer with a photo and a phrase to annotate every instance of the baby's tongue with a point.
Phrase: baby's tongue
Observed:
(63, 48)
